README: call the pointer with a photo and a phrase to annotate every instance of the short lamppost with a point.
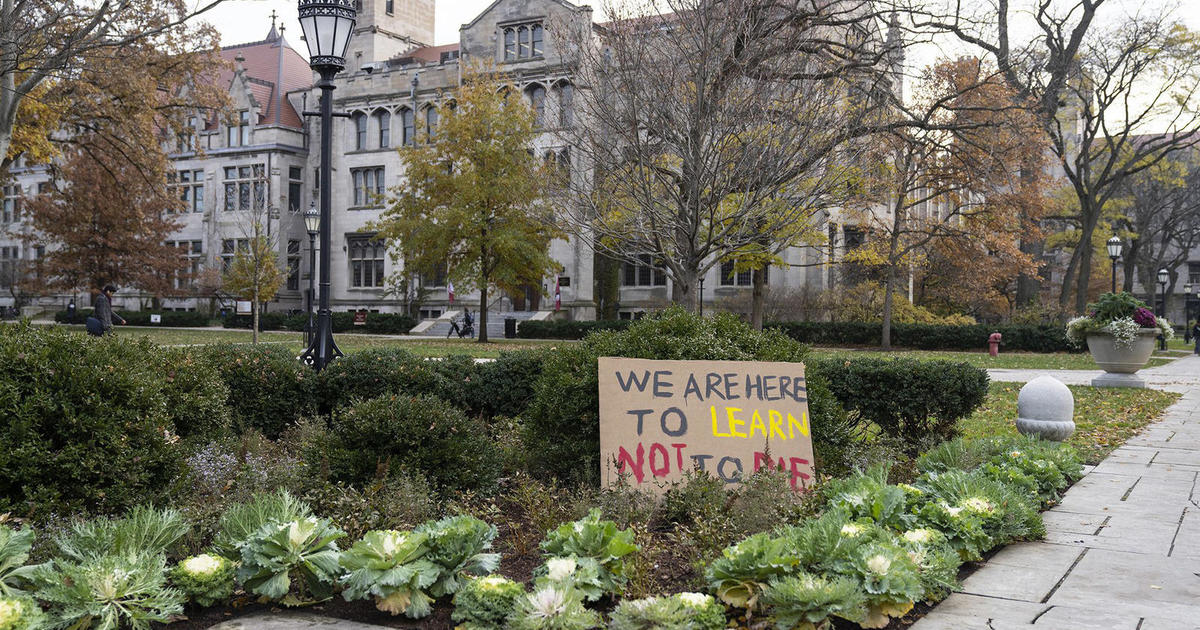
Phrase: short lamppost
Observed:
(1114, 252)
(312, 223)
(1163, 277)
(327, 26)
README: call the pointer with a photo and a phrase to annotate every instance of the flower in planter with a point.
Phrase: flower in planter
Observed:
(1144, 317)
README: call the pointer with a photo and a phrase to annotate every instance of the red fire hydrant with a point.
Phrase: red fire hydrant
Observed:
(994, 344)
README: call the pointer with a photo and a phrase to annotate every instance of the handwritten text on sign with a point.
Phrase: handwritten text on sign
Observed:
(660, 419)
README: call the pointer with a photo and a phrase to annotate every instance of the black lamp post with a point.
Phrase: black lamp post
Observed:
(1114, 252)
(327, 26)
(1163, 277)
(1187, 310)
(312, 223)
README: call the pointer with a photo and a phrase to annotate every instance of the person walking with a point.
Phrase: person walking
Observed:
(101, 321)
(1196, 336)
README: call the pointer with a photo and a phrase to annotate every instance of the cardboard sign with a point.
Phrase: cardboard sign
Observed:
(155, 318)
(360, 318)
(659, 419)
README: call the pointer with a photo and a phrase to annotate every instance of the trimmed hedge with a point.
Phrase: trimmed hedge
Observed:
(566, 329)
(918, 402)
(190, 319)
(377, 323)
(375, 372)
(269, 389)
(89, 422)
(1039, 338)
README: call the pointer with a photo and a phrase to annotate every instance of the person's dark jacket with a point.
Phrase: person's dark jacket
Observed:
(104, 312)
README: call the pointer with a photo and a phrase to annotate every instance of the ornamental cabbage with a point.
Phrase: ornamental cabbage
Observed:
(805, 601)
(303, 552)
(14, 551)
(743, 570)
(553, 607)
(602, 541)
(685, 611)
(391, 566)
(205, 579)
(20, 613)
(484, 603)
(457, 546)
(583, 574)
(125, 590)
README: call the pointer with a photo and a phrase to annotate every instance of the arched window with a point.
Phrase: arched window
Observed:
(523, 41)
(566, 104)
(360, 131)
(536, 47)
(537, 99)
(410, 130)
(510, 44)
(384, 120)
(431, 121)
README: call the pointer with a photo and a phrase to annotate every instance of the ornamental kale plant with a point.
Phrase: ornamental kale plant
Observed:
(582, 574)
(590, 537)
(14, 552)
(457, 546)
(303, 551)
(392, 567)
(144, 530)
(108, 592)
(1144, 317)
(20, 613)
(868, 495)
(553, 608)
(937, 562)
(205, 579)
(739, 576)
(976, 512)
(242, 521)
(684, 611)
(484, 603)
(809, 602)
(890, 579)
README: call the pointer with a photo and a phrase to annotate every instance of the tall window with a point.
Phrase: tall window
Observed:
(1194, 274)
(360, 131)
(295, 188)
(566, 104)
(293, 265)
(431, 121)
(12, 204)
(537, 99)
(190, 186)
(366, 261)
(368, 185)
(731, 278)
(10, 257)
(390, 7)
(193, 251)
(436, 278)
(245, 187)
(239, 133)
(384, 120)
(645, 274)
(535, 45)
(523, 41)
(410, 130)
(510, 44)
(229, 248)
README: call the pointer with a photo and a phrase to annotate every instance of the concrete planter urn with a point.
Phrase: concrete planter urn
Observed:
(1120, 361)
(1046, 408)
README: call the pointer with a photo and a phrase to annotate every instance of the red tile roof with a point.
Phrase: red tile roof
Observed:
(262, 63)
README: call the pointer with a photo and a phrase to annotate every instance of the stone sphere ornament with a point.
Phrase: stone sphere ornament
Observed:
(1046, 408)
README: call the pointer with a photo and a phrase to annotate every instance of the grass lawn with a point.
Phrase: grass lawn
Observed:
(1015, 360)
(1104, 416)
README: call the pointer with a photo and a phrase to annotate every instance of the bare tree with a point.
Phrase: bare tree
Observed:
(1163, 220)
(721, 129)
(1096, 89)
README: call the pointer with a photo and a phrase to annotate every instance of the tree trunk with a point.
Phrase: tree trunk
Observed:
(758, 297)
(1135, 250)
(1085, 262)
(607, 285)
(684, 289)
(483, 311)
(889, 291)
(254, 318)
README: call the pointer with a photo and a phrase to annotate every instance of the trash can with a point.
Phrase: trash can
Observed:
(510, 328)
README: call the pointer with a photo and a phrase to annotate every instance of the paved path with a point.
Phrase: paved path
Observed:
(1122, 550)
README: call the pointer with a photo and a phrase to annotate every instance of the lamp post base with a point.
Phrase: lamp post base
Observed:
(322, 351)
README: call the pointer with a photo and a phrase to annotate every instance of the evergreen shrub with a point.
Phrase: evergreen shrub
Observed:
(916, 402)
(419, 434)
(377, 323)
(188, 319)
(269, 389)
(90, 424)
(974, 337)
(373, 373)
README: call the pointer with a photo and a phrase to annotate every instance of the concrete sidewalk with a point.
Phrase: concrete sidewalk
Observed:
(1122, 550)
